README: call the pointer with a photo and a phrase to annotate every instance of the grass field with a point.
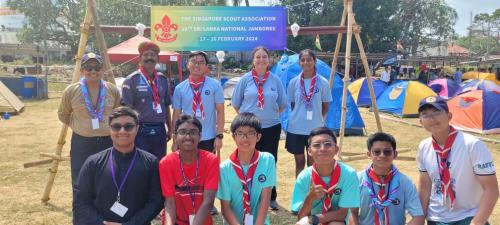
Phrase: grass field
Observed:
(36, 130)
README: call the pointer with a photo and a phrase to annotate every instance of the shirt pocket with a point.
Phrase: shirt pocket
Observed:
(143, 92)
(109, 104)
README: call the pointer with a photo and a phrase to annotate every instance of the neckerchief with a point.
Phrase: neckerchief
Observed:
(196, 87)
(97, 111)
(246, 181)
(442, 155)
(153, 84)
(382, 200)
(306, 98)
(260, 84)
(334, 180)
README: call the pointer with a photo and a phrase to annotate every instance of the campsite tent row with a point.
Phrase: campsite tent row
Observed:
(476, 109)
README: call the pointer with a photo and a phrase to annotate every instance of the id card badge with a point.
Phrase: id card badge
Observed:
(119, 209)
(197, 114)
(248, 219)
(157, 108)
(309, 115)
(191, 219)
(95, 123)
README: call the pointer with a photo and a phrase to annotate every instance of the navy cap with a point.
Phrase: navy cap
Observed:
(90, 56)
(434, 101)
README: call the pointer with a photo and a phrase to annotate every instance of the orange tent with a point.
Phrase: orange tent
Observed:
(476, 111)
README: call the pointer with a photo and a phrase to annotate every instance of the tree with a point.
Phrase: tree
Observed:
(383, 22)
(238, 2)
(424, 21)
(485, 31)
(378, 30)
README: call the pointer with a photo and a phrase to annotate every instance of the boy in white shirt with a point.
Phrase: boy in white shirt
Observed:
(457, 183)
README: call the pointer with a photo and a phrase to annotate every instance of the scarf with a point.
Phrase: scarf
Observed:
(442, 155)
(197, 88)
(246, 181)
(334, 180)
(381, 200)
(260, 84)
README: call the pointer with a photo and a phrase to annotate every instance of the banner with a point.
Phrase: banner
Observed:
(196, 28)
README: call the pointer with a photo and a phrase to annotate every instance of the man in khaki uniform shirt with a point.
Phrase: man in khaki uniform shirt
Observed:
(85, 107)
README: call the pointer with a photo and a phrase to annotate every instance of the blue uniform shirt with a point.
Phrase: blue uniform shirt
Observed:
(230, 188)
(346, 197)
(137, 94)
(297, 122)
(211, 94)
(407, 197)
(245, 98)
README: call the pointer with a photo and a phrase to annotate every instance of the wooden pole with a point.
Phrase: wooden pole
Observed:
(350, 17)
(76, 76)
(337, 47)
(368, 77)
(102, 43)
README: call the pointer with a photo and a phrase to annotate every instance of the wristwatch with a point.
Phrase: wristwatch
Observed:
(220, 136)
(315, 220)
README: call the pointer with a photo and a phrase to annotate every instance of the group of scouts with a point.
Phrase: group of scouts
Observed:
(121, 174)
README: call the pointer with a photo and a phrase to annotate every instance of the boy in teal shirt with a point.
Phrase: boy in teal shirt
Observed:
(247, 177)
(325, 191)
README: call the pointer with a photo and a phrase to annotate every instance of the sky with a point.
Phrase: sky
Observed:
(465, 7)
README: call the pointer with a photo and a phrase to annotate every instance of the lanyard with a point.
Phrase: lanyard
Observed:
(187, 182)
(307, 97)
(156, 95)
(97, 112)
(126, 174)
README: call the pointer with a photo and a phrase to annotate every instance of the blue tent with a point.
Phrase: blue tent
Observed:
(401, 98)
(288, 67)
(361, 93)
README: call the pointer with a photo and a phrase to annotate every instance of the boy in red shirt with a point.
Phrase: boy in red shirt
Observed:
(189, 177)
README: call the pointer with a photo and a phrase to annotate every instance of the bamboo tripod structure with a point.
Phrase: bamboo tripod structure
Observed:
(352, 27)
(56, 158)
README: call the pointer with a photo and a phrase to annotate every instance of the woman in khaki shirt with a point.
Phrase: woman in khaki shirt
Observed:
(85, 107)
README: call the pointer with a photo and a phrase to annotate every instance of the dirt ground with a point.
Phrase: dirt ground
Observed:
(36, 130)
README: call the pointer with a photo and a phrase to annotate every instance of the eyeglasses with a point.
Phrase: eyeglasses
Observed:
(250, 134)
(432, 115)
(385, 152)
(198, 63)
(116, 127)
(317, 145)
(90, 68)
(184, 132)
